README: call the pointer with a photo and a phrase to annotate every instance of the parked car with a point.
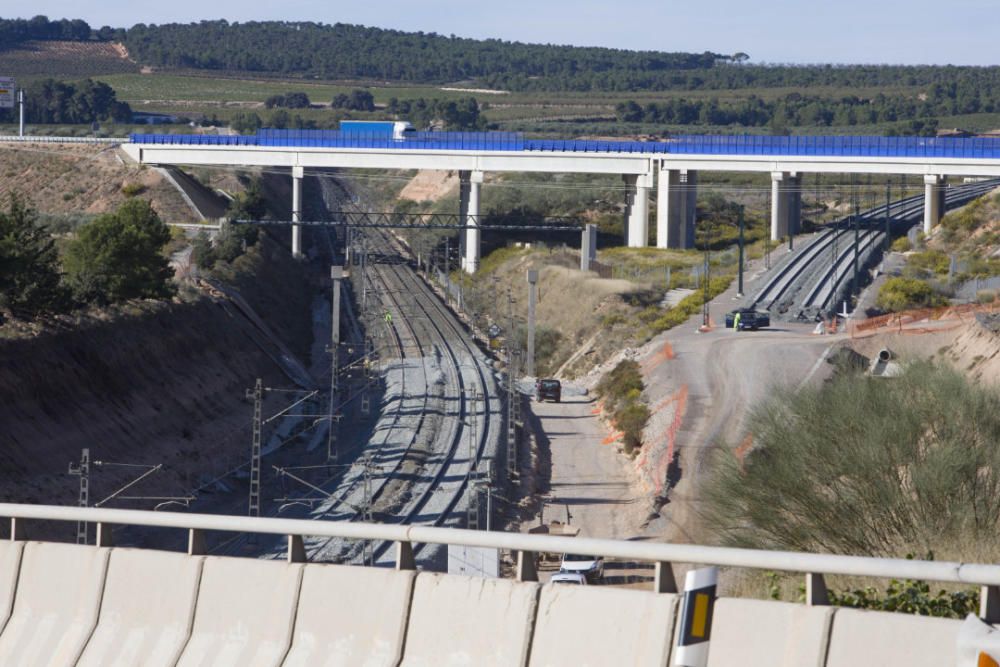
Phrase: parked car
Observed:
(592, 567)
(548, 390)
(569, 578)
(749, 319)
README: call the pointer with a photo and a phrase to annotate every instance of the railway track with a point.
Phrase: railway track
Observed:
(822, 270)
(425, 479)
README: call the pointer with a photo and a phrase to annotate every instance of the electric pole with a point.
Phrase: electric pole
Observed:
(257, 394)
(739, 289)
(888, 200)
(532, 299)
(336, 275)
(83, 471)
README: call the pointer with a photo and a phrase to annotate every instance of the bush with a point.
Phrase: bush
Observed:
(621, 390)
(931, 261)
(910, 597)
(902, 244)
(905, 293)
(133, 189)
(690, 305)
(867, 466)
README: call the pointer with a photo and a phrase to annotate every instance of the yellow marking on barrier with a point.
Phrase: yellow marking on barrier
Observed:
(986, 661)
(700, 619)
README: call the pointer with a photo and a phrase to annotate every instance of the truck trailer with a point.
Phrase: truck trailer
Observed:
(398, 129)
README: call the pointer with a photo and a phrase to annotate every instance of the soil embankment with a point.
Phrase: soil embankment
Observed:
(154, 383)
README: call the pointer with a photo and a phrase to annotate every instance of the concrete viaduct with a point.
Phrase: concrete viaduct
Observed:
(671, 166)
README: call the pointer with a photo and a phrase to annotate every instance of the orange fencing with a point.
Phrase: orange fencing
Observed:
(904, 321)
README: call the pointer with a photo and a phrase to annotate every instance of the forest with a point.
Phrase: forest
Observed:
(51, 101)
(798, 110)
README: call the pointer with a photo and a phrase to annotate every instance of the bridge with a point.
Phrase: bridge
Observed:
(104, 604)
(671, 165)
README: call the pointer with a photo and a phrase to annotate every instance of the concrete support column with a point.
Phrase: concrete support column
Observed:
(932, 202)
(676, 208)
(297, 174)
(464, 185)
(588, 247)
(470, 217)
(779, 205)
(637, 209)
(794, 193)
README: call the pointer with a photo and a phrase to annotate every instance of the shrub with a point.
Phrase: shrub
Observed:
(902, 244)
(933, 261)
(905, 293)
(621, 389)
(133, 189)
(867, 466)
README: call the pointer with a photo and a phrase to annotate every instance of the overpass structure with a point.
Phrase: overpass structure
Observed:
(672, 166)
(102, 604)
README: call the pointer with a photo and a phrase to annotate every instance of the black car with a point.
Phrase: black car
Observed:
(548, 390)
(749, 319)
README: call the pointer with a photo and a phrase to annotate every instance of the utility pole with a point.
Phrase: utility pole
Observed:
(336, 275)
(532, 299)
(20, 99)
(257, 394)
(83, 471)
(857, 245)
(739, 289)
(706, 292)
(512, 403)
(888, 200)
(472, 472)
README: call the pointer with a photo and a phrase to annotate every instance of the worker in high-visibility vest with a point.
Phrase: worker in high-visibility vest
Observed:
(736, 322)
(388, 317)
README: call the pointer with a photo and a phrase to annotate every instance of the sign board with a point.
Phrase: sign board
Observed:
(473, 561)
(8, 92)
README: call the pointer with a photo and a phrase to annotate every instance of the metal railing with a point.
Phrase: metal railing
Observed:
(803, 146)
(524, 546)
(36, 139)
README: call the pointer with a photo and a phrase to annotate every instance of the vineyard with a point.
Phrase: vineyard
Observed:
(65, 60)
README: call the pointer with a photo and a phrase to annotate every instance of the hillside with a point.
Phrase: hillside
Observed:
(65, 59)
(75, 182)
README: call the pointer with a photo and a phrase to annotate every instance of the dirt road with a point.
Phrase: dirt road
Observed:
(590, 480)
(700, 387)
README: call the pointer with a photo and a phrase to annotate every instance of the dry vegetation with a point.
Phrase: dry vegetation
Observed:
(75, 181)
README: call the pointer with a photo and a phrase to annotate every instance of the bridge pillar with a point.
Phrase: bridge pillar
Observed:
(637, 209)
(470, 217)
(786, 204)
(932, 202)
(297, 174)
(795, 204)
(464, 185)
(676, 204)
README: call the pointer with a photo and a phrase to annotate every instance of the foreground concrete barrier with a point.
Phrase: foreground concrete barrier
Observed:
(244, 614)
(875, 638)
(10, 564)
(590, 625)
(456, 620)
(350, 616)
(147, 609)
(56, 605)
(764, 633)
